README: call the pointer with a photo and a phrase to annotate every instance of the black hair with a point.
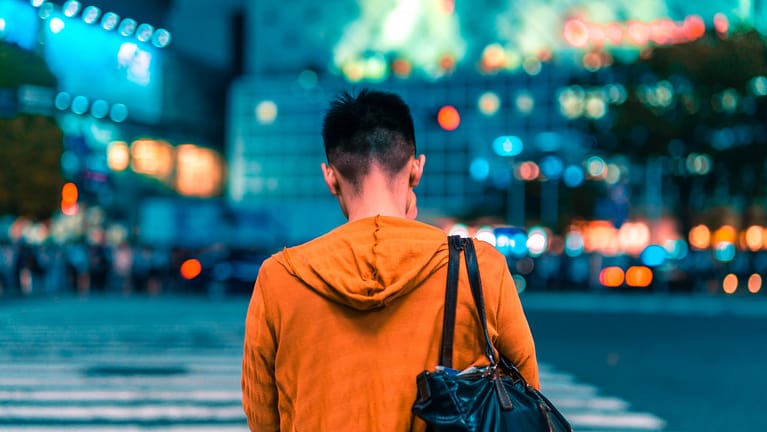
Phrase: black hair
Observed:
(371, 127)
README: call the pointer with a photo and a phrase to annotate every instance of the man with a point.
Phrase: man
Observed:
(338, 328)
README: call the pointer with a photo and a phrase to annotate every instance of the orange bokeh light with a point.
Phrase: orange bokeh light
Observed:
(402, 68)
(700, 237)
(725, 234)
(529, 171)
(611, 277)
(190, 268)
(199, 171)
(755, 283)
(69, 193)
(602, 237)
(448, 118)
(730, 284)
(638, 276)
(754, 238)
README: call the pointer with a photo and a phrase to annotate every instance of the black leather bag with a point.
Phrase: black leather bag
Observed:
(491, 398)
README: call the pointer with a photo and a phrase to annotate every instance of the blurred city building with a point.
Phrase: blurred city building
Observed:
(597, 144)
(515, 103)
(582, 139)
(142, 122)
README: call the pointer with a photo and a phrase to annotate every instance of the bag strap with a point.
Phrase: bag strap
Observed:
(455, 244)
(476, 292)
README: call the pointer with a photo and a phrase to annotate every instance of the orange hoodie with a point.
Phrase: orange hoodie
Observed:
(338, 328)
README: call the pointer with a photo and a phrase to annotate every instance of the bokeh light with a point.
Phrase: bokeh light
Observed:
(725, 234)
(552, 167)
(574, 244)
(69, 198)
(80, 104)
(596, 167)
(486, 234)
(511, 241)
(755, 283)
(527, 171)
(724, 251)
(144, 32)
(611, 277)
(56, 25)
(266, 112)
(71, 8)
(448, 118)
(127, 27)
(537, 241)
(489, 103)
(161, 38)
(118, 156)
(91, 14)
(190, 269)
(459, 229)
(730, 283)
(754, 238)
(700, 237)
(653, 255)
(520, 283)
(479, 169)
(573, 176)
(508, 145)
(525, 102)
(110, 21)
(638, 276)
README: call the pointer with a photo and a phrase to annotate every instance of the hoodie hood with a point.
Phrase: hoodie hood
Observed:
(370, 262)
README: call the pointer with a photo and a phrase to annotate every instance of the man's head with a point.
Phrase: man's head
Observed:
(369, 136)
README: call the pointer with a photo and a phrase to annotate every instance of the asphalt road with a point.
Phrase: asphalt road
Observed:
(698, 370)
(612, 363)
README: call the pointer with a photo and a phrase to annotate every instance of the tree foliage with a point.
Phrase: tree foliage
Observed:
(30, 173)
(23, 67)
(30, 145)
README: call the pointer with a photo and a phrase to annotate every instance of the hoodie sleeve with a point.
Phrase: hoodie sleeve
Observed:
(515, 341)
(259, 391)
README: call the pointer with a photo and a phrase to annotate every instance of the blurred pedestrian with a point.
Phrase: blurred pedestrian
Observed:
(78, 266)
(142, 266)
(98, 266)
(7, 266)
(122, 263)
(338, 328)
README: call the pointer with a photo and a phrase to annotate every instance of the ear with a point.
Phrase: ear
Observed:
(329, 174)
(416, 170)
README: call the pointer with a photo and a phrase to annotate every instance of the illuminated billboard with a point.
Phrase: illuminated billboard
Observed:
(102, 65)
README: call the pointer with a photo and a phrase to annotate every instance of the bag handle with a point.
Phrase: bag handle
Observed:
(456, 244)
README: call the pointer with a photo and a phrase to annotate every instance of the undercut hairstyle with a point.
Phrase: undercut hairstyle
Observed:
(373, 127)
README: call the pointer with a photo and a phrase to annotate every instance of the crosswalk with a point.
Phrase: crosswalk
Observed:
(119, 370)
(200, 392)
(590, 411)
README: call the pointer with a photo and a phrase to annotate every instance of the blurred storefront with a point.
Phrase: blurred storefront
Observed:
(139, 119)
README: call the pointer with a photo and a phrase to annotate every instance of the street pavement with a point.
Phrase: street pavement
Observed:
(173, 363)
(697, 362)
